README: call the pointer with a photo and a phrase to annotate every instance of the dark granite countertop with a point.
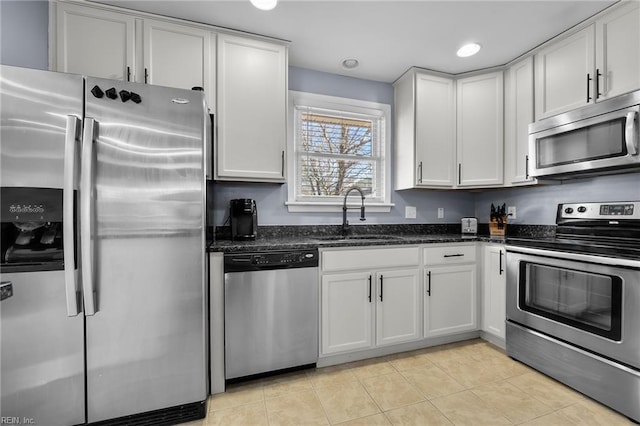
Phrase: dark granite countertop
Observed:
(324, 236)
(287, 243)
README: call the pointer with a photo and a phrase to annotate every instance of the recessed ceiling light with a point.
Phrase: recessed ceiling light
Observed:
(468, 50)
(264, 4)
(350, 63)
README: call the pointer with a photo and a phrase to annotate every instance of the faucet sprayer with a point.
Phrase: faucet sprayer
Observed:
(345, 222)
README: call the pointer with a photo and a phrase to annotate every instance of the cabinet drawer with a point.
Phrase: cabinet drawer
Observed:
(455, 253)
(365, 258)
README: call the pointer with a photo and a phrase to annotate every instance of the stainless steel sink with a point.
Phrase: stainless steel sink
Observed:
(357, 237)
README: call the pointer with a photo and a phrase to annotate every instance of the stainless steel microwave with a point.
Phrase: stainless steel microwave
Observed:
(598, 139)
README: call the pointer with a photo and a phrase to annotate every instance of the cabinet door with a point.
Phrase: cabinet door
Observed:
(346, 312)
(618, 51)
(95, 42)
(518, 114)
(564, 73)
(494, 291)
(252, 91)
(435, 131)
(177, 56)
(450, 300)
(480, 130)
(398, 306)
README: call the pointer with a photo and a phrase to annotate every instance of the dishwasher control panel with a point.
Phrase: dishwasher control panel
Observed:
(276, 259)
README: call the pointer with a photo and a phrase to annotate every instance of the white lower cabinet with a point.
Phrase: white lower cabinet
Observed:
(362, 308)
(398, 306)
(450, 294)
(494, 282)
(450, 300)
(347, 314)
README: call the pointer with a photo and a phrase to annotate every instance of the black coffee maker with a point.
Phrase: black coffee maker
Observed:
(244, 219)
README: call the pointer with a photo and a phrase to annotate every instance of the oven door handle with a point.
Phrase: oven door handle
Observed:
(577, 257)
(631, 133)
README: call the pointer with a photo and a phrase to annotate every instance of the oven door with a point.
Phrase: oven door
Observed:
(587, 301)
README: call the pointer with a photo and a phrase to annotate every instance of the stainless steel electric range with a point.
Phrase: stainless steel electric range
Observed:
(573, 302)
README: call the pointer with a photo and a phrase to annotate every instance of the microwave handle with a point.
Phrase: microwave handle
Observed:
(631, 133)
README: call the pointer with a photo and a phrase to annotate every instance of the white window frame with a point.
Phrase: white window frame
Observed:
(314, 100)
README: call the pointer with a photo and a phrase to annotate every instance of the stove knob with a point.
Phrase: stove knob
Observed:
(111, 93)
(135, 98)
(568, 210)
(125, 95)
(582, 209)
(97, 91)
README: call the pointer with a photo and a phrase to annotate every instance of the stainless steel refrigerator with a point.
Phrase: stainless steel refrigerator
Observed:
(103, 312)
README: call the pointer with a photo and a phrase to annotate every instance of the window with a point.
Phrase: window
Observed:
(337, 144)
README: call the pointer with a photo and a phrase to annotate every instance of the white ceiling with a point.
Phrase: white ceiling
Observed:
(388, 37)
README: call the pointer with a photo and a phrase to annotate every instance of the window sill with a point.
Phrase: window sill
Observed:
(302, 207)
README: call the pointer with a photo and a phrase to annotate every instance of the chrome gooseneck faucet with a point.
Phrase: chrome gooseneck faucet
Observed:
(345, 222)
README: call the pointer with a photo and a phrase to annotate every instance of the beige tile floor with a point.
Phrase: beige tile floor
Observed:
(467, 383)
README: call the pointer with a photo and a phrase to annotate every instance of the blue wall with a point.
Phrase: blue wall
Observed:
(24, 42)
(537, 205)
(24, 33)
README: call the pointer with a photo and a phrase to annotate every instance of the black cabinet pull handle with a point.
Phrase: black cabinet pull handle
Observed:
(598, 75)
(381, 286)
(146, 76)
(454, 255)
(282, 168)
(369, 288)
(588, 87)
(128, 73)
(420, 172)
(501, 270)
(429, 282)
(459, 173)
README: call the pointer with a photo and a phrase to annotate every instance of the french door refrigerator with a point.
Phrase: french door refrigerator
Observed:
(103, 314)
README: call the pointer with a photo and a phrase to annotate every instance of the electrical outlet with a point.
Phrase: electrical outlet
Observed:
(410, 212)
(440, 212)
(511, 212)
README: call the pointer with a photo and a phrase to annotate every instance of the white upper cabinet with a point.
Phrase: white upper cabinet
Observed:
(252, 105)
(564, 71)
(425, 131)
(178, 56)
(518, 114)
(596, 63)
(618, 51)
(480, 130)
(95, 42)
(105, 43)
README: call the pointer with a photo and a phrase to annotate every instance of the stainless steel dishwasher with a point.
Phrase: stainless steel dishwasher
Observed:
(271, 311)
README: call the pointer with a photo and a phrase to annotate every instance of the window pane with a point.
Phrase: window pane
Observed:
(336, 135)
(321, 176)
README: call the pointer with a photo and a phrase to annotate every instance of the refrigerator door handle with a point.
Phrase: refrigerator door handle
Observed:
(72, 136)
(86, 211)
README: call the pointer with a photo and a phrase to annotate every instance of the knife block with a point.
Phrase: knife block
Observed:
(498, 228)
